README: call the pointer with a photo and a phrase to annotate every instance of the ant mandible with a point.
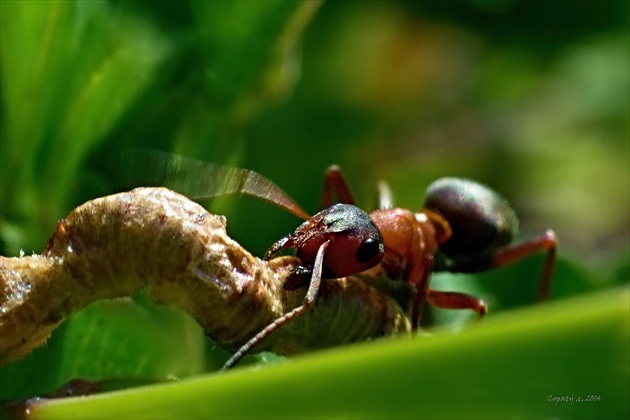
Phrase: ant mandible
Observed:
(464, 227)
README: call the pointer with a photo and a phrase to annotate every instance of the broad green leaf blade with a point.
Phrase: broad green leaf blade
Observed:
(515, 365)
(70, 70)
(115, 339)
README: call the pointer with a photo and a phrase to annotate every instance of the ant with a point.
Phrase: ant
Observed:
(339, 241)
(464, 227)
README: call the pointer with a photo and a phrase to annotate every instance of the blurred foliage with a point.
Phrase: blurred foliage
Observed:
(529, 97)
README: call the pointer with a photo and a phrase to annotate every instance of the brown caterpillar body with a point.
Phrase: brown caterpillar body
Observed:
(156, 239)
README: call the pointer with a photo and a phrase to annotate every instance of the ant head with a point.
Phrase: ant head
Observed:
(355, 245)
(481, 219)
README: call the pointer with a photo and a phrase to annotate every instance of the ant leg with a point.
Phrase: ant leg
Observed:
(421, 272)
(445, 300)
(548, 241)
(418, 303)
(385, 199)
(309, 300)
(416, 312)
(512, 253)
(335, 183)
(455, 300)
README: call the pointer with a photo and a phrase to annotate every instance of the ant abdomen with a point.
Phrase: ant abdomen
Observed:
(481, 220)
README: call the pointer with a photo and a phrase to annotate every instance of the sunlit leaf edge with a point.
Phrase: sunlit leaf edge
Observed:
(510, 366)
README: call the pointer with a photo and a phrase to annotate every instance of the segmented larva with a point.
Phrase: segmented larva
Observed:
(156, 239)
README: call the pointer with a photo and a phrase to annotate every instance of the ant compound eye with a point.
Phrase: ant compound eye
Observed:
(369, 249)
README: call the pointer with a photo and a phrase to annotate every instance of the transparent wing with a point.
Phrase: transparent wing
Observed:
(198, 179)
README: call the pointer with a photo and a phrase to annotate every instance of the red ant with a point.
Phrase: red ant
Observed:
(465, 227)
(339, 241)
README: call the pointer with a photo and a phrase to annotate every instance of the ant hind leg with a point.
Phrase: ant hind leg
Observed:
(512, 253)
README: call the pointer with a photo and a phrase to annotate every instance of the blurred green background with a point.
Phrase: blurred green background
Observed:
(529, 97)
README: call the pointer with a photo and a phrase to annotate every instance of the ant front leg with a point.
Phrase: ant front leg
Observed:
(512, 253)
(335, 183)
(309, 301)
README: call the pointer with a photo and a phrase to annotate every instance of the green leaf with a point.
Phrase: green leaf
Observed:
(84, 79)
(515, 365)
(70, 70)
(251, 58)
(240, 39)
(111, 339)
